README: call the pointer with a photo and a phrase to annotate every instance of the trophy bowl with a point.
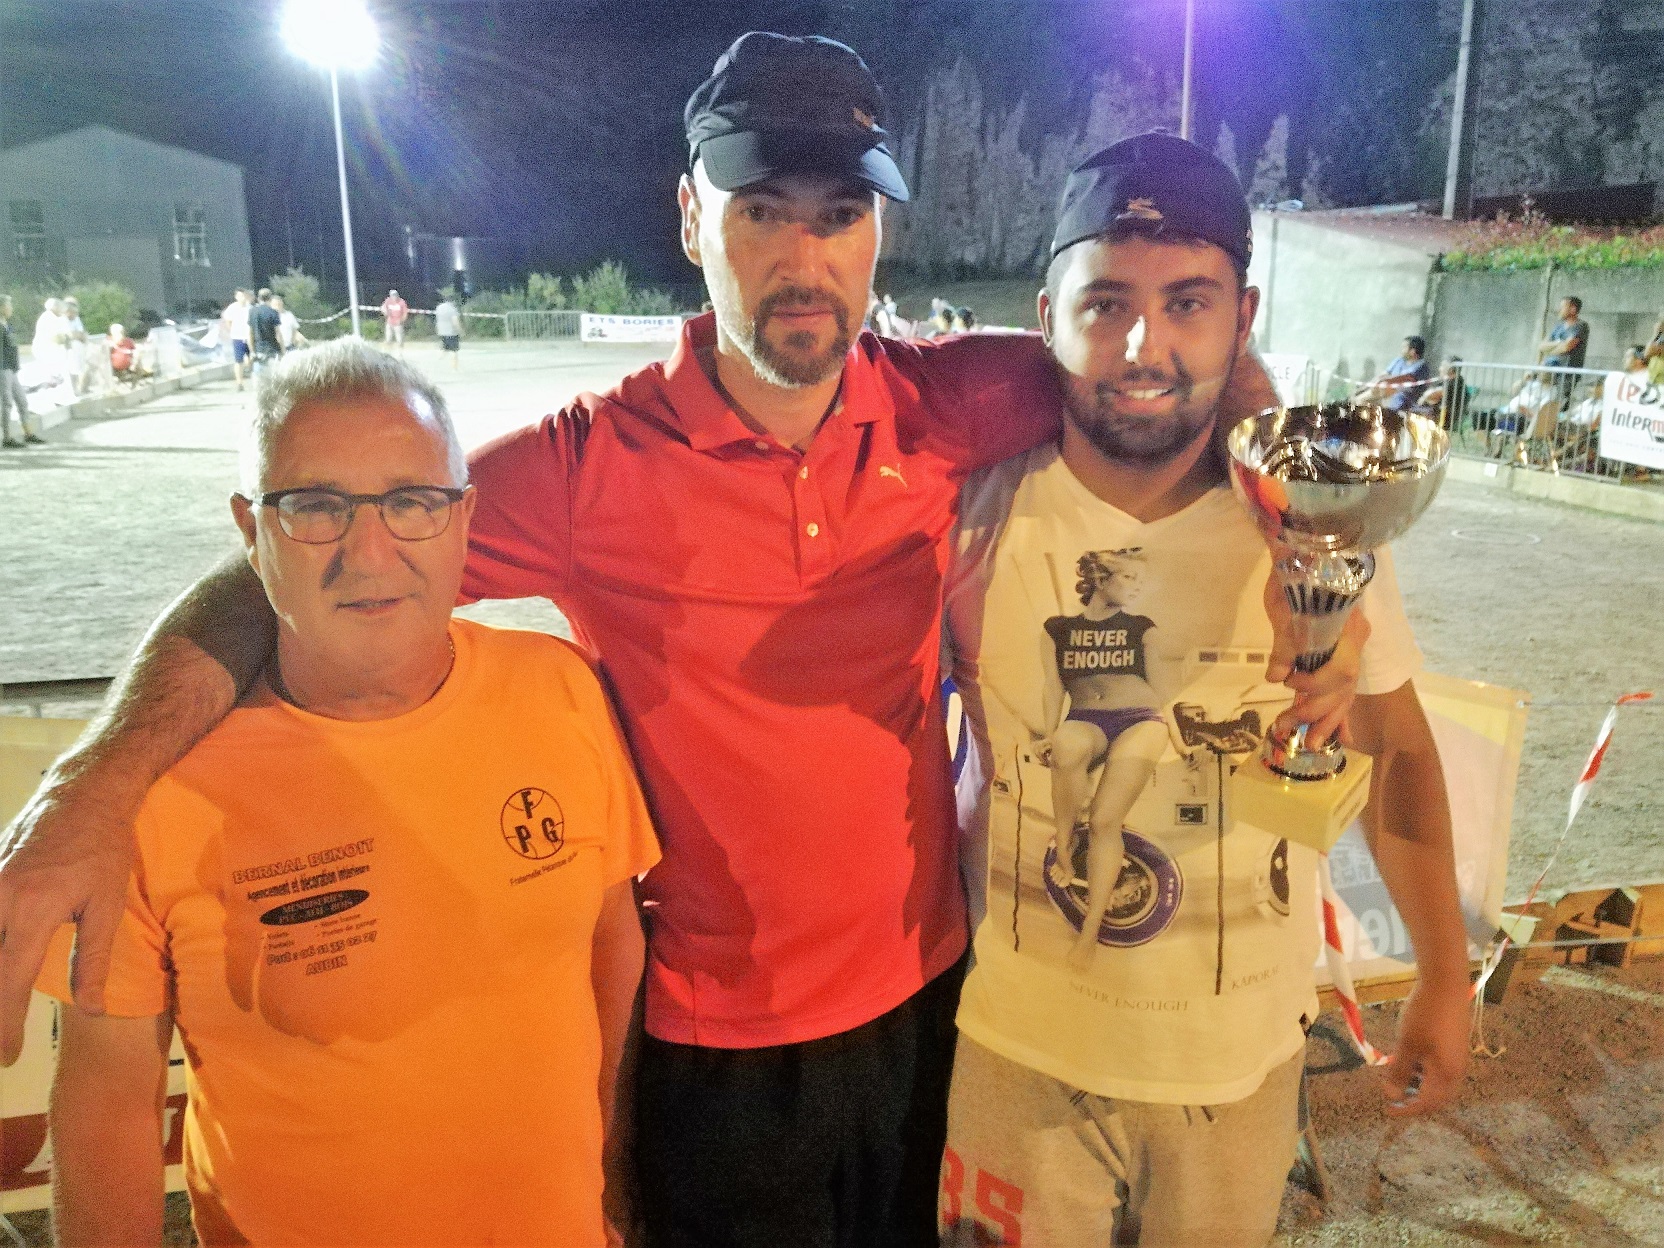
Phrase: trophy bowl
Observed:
(1341, 477)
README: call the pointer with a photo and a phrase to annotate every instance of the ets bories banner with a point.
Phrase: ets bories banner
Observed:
(1632, 420)
(595, 327)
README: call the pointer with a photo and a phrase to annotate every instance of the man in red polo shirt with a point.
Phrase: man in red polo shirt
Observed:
(751, 539)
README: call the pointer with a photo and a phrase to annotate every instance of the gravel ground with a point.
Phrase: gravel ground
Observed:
(1559, 1141)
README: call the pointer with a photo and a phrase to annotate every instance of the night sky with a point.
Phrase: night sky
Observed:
(557, 124)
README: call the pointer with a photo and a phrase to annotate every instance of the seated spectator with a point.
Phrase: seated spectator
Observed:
(1515, 417)
(1635, 359)
(123, 352)
(1400, 386)
(964, 320)
(1448, 397)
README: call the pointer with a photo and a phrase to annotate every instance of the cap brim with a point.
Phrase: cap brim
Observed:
(746, 157)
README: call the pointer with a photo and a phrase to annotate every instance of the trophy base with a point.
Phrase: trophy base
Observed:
(1311, 812)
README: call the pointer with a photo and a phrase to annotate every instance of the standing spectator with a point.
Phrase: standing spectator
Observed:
(264, 327)
(1567, 343)
(394, 312)
(234, 325)
(1654, 355)
(51, 331)
(288, 329)
(11, 390)
(447, 323)
(77, 359)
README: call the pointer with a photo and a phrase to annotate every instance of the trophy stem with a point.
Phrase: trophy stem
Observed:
(1321, 588)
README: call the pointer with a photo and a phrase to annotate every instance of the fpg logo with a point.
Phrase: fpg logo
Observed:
(533, 823)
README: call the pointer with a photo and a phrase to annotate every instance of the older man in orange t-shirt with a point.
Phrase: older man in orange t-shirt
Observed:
(387, 903)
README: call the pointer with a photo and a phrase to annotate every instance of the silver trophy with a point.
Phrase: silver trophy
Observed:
(1327, 485)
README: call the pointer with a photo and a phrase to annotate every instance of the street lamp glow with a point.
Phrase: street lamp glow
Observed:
(335, 35)
(331, 34)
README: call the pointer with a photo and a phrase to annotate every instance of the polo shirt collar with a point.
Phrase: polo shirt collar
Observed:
(707, 420)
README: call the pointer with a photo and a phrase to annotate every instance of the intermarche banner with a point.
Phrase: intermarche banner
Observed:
(1632, 420)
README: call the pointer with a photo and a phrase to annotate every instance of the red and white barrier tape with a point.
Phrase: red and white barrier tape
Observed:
(1580, 792)
(1334, 953)
(1340, 976)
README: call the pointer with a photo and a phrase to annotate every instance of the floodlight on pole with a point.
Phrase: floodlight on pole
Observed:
(335, 35)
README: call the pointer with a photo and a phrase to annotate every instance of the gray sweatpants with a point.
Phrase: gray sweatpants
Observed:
(11, 395)
(1033, 1161)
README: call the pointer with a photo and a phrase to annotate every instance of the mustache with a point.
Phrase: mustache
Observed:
(1179, 379)
(803, 298)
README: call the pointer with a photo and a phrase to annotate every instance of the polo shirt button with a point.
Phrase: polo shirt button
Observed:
(813, 530)
(761, 445)
(803, 473)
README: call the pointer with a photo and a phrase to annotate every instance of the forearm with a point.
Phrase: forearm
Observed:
(615, 975)
(1409, 831)
(196, 660)
(106, 1125)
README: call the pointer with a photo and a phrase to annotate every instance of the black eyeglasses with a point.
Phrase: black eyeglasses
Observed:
(412, 513)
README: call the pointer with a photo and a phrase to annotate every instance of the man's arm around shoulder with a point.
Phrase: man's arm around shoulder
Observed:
(1407, 824)
(67, 855)
(108, 1099)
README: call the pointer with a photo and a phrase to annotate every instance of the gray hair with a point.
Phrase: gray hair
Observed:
(344, 369)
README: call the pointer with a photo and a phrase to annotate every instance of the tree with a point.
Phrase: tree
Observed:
(1270, 184)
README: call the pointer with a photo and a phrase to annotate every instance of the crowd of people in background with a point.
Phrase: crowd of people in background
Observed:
(883, 317)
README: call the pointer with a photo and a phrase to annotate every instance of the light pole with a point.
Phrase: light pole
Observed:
(335, 35)
(1184, 87)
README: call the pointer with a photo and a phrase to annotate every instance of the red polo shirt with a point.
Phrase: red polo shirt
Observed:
(769, 620)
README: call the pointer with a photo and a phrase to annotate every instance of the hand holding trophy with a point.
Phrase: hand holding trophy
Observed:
(1326, 485)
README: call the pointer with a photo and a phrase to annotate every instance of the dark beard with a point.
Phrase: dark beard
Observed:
(787, 364)
(1147, 440)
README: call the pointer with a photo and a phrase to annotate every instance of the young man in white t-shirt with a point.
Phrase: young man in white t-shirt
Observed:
(235, 325)
(1141, 1083)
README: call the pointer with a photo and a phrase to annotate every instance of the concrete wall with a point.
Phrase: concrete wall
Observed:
(1501, 317)
(1346, 301)
(99, 184)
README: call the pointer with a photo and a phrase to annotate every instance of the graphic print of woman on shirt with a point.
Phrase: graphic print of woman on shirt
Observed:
(1113, 720)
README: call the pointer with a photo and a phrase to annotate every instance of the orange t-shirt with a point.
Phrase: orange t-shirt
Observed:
(377, 938)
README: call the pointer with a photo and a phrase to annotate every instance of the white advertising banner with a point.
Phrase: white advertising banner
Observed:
(1294, 377)
(1479, 730)
(598, 328)
(1632, 420)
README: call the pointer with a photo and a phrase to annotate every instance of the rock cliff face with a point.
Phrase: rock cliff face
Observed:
(1566, 98)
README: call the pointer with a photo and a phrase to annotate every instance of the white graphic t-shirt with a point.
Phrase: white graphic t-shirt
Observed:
(1074, 628)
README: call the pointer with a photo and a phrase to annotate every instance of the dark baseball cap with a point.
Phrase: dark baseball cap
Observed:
(1158, 181)
(782, 104)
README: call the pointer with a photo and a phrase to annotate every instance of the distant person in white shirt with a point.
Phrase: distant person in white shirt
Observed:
(234, 325)
(447, 323)
(288, 327)
(47, 348)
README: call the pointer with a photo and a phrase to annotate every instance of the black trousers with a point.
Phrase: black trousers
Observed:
(831, 1143)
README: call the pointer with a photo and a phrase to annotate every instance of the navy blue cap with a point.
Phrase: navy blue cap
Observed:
(781, 104)
(1156, 181)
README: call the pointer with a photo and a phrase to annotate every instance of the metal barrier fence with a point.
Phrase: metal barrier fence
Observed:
(31, 698)
(1531, 415)
(542, 325)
